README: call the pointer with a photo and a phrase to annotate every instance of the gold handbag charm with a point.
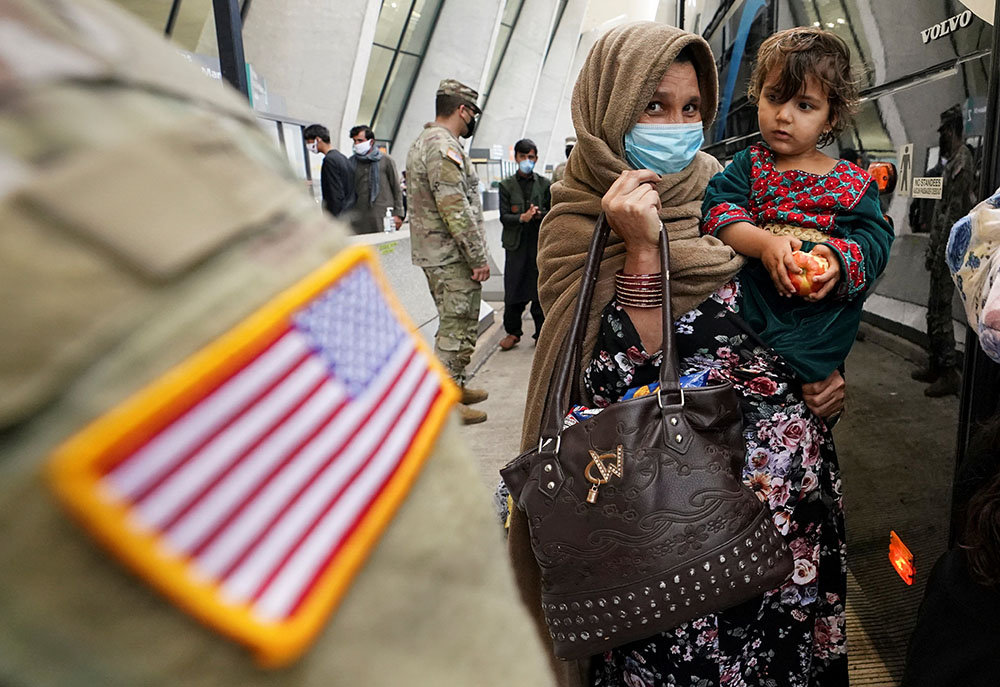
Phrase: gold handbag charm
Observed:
(606, 470)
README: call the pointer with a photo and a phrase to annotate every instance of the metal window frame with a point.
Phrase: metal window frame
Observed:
(503, 52)
(980, 395)
(392, 62)
(413, 82)
(175, 10)
(555, 27)
(229, 34)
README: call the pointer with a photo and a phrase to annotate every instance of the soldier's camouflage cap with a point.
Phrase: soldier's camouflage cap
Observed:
(951, 116)
(459, 89)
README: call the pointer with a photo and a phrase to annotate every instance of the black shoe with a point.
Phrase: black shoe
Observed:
(948, 384)
(925, 375)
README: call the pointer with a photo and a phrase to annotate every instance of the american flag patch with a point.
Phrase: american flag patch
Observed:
(249, 483)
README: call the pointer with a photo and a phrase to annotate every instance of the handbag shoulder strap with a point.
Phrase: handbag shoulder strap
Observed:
(571, 355)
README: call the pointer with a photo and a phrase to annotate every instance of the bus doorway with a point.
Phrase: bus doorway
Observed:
(899, 451)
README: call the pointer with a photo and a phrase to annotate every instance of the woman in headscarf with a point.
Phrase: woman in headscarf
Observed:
(645, 95)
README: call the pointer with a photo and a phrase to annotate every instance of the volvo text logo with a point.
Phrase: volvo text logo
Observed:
(959, 21)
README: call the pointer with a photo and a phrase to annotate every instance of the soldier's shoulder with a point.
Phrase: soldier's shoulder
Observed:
(435, 142)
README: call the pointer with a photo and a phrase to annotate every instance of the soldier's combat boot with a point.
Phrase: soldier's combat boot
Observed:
(925, 374)
(470, 416)
(947, 384)
(471, 396)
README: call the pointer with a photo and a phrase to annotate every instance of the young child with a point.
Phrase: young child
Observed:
(785, 195)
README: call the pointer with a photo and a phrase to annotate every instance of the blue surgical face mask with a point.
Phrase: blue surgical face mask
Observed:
(526, 166)
(663, 148)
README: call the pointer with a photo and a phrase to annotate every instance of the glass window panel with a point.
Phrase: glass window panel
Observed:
(153, 13)
(378, 69)
(190, 23)
(270, 127)
(400, 83)
(418, 31)
(390, 21)
(293, 148)
(502, 37)
(510, 12)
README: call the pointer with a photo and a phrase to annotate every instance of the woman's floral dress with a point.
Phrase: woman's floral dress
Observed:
(794, 635)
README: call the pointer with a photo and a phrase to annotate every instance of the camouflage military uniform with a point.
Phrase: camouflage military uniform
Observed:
(144, 214)
(448, 239)
(956, 200)
(560, 171)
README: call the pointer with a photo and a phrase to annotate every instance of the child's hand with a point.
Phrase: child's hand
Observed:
(829, 278)
(776, 255)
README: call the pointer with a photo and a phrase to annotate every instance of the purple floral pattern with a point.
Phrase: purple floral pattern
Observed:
(792, 636)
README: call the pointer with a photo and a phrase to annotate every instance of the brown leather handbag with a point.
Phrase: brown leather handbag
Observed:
(638, 517)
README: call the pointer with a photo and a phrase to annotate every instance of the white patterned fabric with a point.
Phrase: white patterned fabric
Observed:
(972, 258)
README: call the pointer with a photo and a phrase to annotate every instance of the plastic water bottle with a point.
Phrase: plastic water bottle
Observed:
(388, 223)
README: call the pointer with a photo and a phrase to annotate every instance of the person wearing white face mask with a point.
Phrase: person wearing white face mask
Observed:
(337, 177)
(376, 181)
(524, 201)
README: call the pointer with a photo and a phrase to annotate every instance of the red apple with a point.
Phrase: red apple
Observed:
(812, 266)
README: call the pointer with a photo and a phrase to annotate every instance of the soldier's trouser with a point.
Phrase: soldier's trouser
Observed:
(457, 298)
(940, 332)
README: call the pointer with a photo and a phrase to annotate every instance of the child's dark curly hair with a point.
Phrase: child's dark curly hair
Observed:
(802, 52)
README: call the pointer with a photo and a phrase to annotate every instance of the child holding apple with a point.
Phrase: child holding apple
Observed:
(812, 225)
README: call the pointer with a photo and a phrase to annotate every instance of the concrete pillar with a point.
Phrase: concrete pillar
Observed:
(557, 76)
(505, 116)
(314, 54)
(563, 125)
(666, 13)
(460, 48)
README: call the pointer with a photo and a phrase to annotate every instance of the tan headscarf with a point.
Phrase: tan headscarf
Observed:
(616, 83)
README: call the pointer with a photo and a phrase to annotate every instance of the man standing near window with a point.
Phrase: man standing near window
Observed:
(446, 231)
(337, 177)
(376, 183)
(524, 200)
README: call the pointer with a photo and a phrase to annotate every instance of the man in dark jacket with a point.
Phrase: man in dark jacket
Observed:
(524, 201)
(337, 177)
(376, 182)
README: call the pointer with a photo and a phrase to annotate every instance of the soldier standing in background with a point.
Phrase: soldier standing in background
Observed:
(144, 214)
(446, 231)
(957, 198)
(560, 171)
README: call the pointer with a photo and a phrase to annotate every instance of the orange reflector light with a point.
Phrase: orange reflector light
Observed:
(901, 558)
(884, 175)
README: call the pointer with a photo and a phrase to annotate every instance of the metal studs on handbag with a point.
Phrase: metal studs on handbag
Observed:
(638, 518)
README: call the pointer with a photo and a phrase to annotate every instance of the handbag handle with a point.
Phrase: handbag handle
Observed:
(557, 397)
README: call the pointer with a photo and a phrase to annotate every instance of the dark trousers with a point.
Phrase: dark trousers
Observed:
(940, 331)
(512, 317)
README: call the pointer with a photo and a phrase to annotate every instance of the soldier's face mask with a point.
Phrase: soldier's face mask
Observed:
(470, 126)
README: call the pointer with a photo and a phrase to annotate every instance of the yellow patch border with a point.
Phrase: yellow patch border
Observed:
(76, 466)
